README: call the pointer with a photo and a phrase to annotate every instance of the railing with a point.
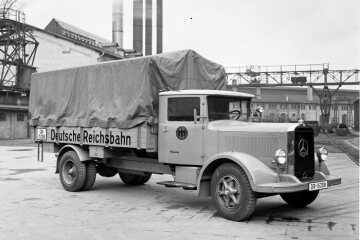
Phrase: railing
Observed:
(14, 100)
(12, 15)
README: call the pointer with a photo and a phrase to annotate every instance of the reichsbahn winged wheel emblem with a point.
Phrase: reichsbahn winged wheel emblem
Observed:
(181, 133)
(303, 148)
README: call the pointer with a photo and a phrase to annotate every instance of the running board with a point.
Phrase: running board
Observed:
(185, 186)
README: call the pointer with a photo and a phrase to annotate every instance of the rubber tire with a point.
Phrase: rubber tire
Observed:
(248, 196)
(300, 199)
(105, 171)
(80, 177)
(133, 179)
(90, 175)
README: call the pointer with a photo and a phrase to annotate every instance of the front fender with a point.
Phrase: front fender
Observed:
(83, 154)
(256, 171)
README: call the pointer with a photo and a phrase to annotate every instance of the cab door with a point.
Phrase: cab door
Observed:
(180, 138)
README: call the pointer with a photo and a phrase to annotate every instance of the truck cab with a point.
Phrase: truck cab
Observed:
(185, 133)
(208, 135)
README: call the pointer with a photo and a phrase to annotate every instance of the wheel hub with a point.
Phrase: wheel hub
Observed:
(69, 172)
(229, 192)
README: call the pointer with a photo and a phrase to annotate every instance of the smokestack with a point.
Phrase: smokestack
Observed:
(148, 27)
(138, 26)
(117, 16)
(159, 27)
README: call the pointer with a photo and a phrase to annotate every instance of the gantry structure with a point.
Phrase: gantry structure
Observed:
(310, 75)
(17, 50)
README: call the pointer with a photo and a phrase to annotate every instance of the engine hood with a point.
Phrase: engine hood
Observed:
(238, 126)
(260, 140)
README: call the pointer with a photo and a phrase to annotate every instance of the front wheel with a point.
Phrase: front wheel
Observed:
(300, 199)
(133, 179)
(72, 172)
(232, 193)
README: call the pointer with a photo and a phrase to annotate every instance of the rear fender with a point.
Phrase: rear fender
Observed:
(83, 154)
(256, 171)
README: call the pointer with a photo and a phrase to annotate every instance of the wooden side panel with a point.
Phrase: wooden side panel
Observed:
(141, 137)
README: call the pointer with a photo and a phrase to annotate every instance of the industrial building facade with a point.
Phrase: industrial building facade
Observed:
(289, 104)
(55, 51)
(61, 45)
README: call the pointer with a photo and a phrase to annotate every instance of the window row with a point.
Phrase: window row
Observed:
(78, 37)
(19, 117)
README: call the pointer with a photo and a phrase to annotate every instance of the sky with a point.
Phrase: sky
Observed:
(231, 32)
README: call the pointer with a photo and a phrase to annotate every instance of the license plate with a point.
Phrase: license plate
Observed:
(317, 185)
(41, 134)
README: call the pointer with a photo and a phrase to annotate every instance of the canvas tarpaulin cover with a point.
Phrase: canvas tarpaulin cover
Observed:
(120, 93)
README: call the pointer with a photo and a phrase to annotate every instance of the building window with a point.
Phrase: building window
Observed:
(272, 106)
(344, 107)
(2, 116)
(20, 117)
(294, 106)
(302, 106)
(312, 107)
(283, 106)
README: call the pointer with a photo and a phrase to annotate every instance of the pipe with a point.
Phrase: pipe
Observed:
(138, 26)
(159, 27)
(117, 23)
(148, 27)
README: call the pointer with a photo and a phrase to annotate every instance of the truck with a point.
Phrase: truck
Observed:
(170, 114)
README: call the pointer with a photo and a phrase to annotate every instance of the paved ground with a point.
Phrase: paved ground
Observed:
(348, 144)
(33, 205)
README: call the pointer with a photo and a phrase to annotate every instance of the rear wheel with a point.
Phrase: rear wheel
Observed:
(133, 179)
(232, 193)
(90, 175)
(300, 199)
(72, 172)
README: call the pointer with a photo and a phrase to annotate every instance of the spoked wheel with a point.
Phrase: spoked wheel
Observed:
(72, 172)
(232, 193)
(228, 192)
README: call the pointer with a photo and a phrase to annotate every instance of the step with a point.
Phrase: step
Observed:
(172, 184)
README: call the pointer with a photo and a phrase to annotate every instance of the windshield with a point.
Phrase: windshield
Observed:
(222, 107)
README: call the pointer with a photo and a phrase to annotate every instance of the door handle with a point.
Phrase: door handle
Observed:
(165, 129)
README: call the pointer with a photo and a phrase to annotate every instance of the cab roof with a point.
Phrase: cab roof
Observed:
(206, 92)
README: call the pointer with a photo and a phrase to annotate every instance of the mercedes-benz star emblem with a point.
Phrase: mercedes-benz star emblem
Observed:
(303, 148)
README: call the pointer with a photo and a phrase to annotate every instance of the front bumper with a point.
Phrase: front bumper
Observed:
(289, 183)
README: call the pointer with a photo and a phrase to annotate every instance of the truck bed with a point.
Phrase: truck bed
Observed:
(143, 136)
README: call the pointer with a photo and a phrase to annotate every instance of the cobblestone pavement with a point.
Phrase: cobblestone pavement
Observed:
(33, 205)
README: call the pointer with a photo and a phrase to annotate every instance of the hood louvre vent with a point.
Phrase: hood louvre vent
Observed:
(258, 146)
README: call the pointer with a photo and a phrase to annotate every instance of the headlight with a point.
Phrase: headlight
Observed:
(322, 154)
(280, 157)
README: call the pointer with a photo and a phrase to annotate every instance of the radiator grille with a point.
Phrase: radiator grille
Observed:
(304, 153)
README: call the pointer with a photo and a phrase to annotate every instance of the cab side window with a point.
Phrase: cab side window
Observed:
(182, 109)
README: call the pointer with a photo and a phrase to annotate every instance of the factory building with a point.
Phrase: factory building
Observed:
(61, 45)
(289, 104)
